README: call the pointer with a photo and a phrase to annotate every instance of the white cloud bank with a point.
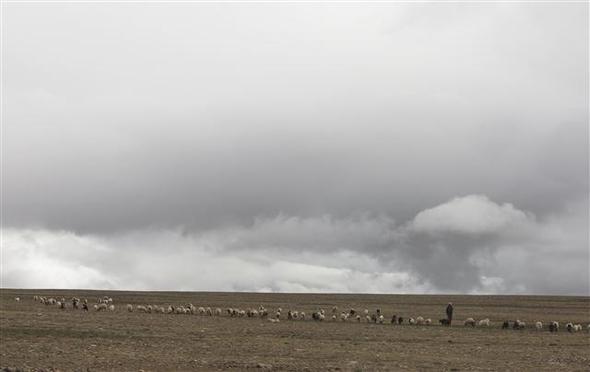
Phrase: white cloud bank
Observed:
(467, 245)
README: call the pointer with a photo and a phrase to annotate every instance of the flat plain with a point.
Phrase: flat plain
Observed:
(42, 337)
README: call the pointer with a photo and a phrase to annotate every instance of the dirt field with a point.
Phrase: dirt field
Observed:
(35, 336)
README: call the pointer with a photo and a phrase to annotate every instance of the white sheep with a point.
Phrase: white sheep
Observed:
(101, 306)
(554, 326)
(302, 315)
(428, 321)
(381, 319)
(469, 322)
(273, 320)
(412, 321)
(218, 312)
(209, 311)
(539, 326)
(419, 320)
(577, 327)
(518, 324)
(201, 310)
(358, 318)
(111, 307)
(484, 323)
(17, 299)
(368, 318)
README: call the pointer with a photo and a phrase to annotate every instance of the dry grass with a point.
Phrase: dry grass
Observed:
(35, 336)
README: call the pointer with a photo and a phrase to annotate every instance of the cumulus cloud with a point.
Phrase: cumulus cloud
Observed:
(474, 214)
(363, 253)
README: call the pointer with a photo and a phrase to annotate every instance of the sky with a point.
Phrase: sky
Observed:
(366, 148)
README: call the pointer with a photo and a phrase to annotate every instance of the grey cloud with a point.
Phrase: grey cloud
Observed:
(420, 148)
(167, 116)
(320, 254)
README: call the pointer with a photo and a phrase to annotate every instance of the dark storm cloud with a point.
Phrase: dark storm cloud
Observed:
(327, 138)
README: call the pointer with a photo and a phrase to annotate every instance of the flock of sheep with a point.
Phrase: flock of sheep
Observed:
(106, 304)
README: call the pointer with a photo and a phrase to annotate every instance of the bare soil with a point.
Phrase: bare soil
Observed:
(35, 337)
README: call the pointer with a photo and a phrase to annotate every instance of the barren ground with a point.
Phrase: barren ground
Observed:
(35, 336)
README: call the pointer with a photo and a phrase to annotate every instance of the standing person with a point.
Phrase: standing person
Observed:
(450, 313)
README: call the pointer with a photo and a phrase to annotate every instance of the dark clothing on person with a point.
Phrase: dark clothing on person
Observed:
(450, 313)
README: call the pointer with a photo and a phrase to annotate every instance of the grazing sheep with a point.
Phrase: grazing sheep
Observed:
(334, 309)
(130, 308)
(111, 307)
(419, 320)
(381, 319)
(334, 317)
(412, 321)
(141, 308)
(539, 326)
(351, 312)
(428, 321)
(444, 321)
(202, 310)
(506, 324)
(368, 319)
(553, 326)
(62, 305)
(484, 323)
(218, 311)
(394, 319)
(400, 320)
(192, 308)
(272, 320)
(149, 308)
(366, 312)
(519, 324)
(17, 299)
(209, 311)
(358, 318)
(302, 315)
(85, 307)
(100, 307)
(577, 327)
(469, 322)
(569, 327)
(343, 316)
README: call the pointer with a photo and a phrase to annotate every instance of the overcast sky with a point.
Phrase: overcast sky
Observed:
(426, 148)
